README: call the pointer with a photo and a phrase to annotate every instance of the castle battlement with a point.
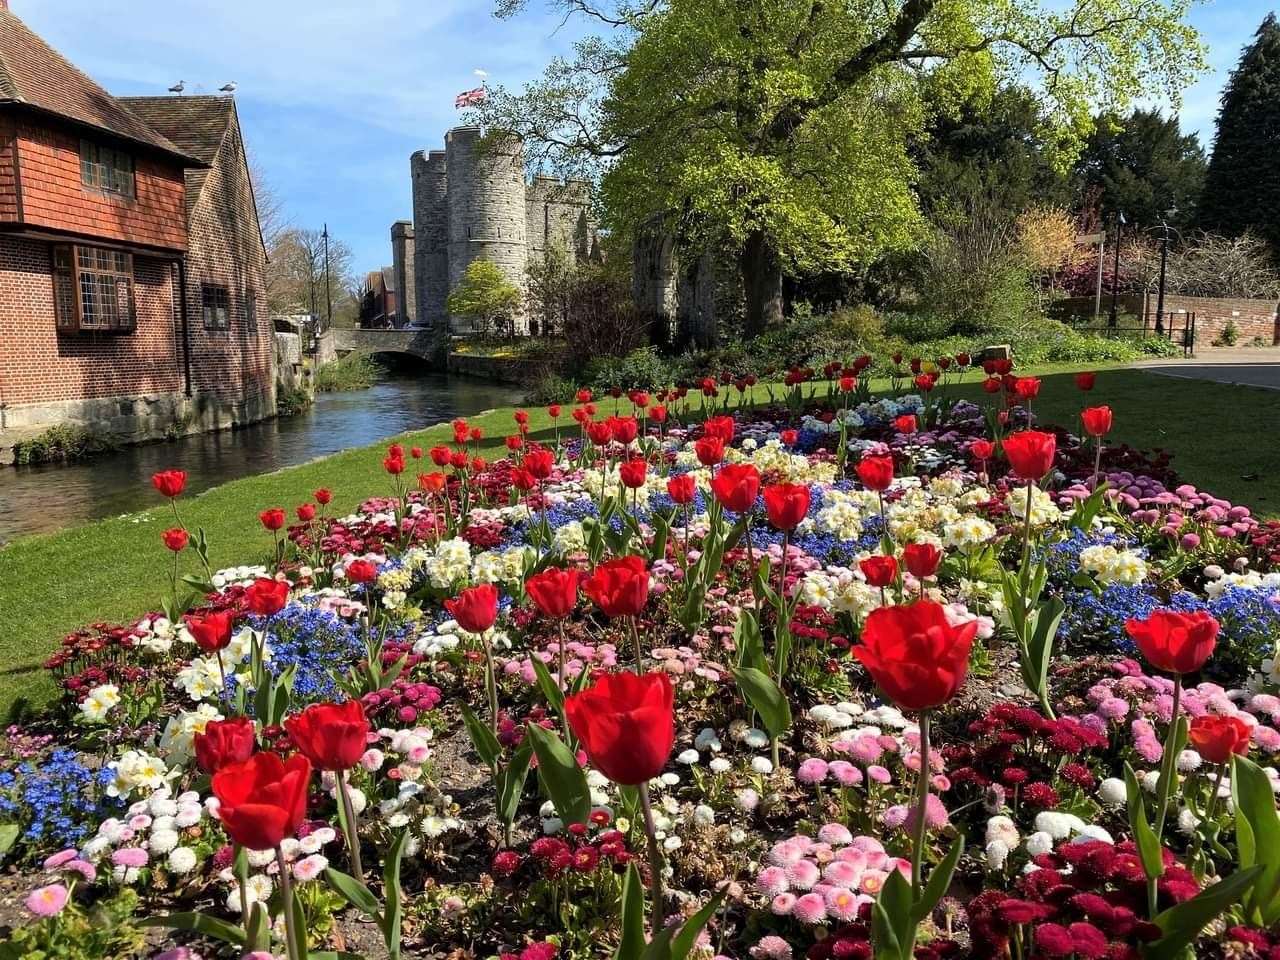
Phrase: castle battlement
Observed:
(471, 201)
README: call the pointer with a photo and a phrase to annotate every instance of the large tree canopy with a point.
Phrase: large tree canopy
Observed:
(781, 126)
(1242, 186)
(1144, 167)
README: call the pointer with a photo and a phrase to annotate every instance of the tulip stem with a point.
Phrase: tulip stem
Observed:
(490, 682)
(1097, 463)
(635, 643)
(657, 916)
(240, 863)
(1168, 772)
(1026, 539)
(294, 939)
(563, 682)
(349, 817)
(917, 846)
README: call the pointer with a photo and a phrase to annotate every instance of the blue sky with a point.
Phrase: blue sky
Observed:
(334, 96)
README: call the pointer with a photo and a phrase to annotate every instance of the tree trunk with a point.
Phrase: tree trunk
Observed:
(761, 283)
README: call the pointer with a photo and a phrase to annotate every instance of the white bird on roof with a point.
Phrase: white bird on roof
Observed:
(178, 87)
(228, 88)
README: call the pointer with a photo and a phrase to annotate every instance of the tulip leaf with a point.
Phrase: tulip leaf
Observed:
(482, 738)
(939, 882)
(1183, 922)
(354, 892)
(560, 774)
(694, 609)
(1258, 838)
(547, 684)
(766, 698)
(1148, 843)
(393, 915)
(200, 923)
(259, 929)
(892, 928)
(632, 943)
(661, 531)
(749, 642)
(1082, 517)
(677, 942)
(8, 836)
(509, 781)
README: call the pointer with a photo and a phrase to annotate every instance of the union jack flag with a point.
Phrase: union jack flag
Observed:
(469, 99)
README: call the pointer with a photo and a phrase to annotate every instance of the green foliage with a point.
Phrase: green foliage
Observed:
(291, 401)
(1229, 336)
(62, 443)
(355, 371)
(1242, 184)
(485, 296)
(1144, 166)
(106, 930)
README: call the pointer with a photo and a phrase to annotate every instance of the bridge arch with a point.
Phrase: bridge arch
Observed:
(415, 342)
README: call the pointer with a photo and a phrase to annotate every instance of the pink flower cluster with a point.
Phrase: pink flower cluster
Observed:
(578, 657)
(827, 878)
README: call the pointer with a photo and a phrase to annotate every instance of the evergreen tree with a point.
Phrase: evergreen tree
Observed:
(1242, 186)
(1143, 166)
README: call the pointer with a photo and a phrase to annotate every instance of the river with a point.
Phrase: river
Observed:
(47, 498)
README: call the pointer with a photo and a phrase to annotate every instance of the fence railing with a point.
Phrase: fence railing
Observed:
(1178, 328)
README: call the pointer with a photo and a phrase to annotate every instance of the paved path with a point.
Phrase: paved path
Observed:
(1253, 366)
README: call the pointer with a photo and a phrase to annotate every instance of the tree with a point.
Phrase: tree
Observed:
(1242, 185)
(485, 296)
(1048, 236)
(1004, 146)
(780, 127)
(1144, 167)
(297, 283)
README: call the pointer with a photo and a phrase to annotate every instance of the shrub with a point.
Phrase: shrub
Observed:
(62, 443)
(355, 371)
(1228, 337)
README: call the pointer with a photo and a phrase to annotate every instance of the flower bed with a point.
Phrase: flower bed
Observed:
(833, 677)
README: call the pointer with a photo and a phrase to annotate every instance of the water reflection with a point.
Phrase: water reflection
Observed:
(47, 498)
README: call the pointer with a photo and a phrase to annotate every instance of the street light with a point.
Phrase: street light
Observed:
(328, 285)
(1164, 259)
(1115, 273)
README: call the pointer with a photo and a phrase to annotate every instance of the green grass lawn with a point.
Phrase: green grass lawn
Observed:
(115, 569)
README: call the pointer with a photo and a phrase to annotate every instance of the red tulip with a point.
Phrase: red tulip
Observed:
(476, 434)
(788, 438)
(710, 450)
(914, 654)
(439, 456)
(475, 608)
(514, 443)
(982, 450)
(522, 479)
(431, 482)
(658, 413)
(395, 451)
(905, 423)
(332, 736)
(924, 383)
(224, 742)
(1030, 453)
(306, 512)
(1096, 420)
(922, 559)
(736, 486)
(1027, 388)
(170, 483)
(880, 571)
(626, 724)
(266, 597)
(554, 592)
(624, 428)
(539, 462)
(847, 384)
(393, 465)
(786, 504)
(600, 432)
(272, 518)
(263, 800)
(991, 385)
(721, 427)
(323, 496)
(175, 539)
(619, 587)
(211, 632)
(1085, 381)
(632, 473)
(1218, 738)
(1175, 642)
(681, 487)
(553, 411)
(584, 396)
(362, 571)
(458, 460)
(876, 473)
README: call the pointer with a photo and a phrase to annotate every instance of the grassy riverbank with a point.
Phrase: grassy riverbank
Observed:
(113, 570)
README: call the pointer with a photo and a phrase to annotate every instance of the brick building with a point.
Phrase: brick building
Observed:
(132, 294)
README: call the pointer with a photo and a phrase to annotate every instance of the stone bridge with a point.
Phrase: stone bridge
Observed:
(415, 341)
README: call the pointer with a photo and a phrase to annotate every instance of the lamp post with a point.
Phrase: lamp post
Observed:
(328, 285)
(1164, 259)
(1115, 272)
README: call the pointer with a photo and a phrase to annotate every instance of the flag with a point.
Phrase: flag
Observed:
(469, 99)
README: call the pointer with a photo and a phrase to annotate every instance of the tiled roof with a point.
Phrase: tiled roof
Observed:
(198, 125)
(34, 75)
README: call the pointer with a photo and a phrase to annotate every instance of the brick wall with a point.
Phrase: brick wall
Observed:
(54, 196)
(1254, 320)
(38, 365)
(8, 171)
(225, 248)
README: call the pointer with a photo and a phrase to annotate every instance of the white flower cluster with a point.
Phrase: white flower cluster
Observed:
(238, 576)
(509, 566)
(1043, 510)
(1110, 565)
(136, 770)
(178, 738)
(201, 678)
(156, 825)
(154, 636)
(839, 589)
(100, 701)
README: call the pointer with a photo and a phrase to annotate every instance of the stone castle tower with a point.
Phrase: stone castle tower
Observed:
(471, 202)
